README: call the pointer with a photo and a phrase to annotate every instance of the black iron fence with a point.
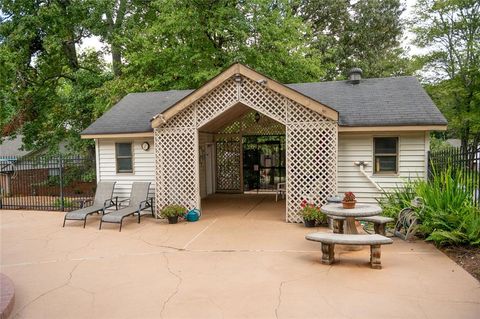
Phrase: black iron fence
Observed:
(46, 182)
(464, 159)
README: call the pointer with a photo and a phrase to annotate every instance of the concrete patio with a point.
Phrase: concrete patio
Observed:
(241, 260)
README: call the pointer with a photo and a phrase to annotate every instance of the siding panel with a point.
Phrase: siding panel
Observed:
(354, 147)
(143, 164)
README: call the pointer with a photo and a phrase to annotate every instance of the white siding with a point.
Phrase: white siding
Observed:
(353, 147)
(143, 165)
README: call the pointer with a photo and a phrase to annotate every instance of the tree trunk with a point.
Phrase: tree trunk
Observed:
(116, 60)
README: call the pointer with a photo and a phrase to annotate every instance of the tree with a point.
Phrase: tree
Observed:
(364, 33)
(110, 20)
(42, 74)
(450, 29)
(189, 42)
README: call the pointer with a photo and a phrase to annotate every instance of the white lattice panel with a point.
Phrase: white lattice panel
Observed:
(311, 165)
(176, 167)
(311, 145)
(264, 100)
(217, 101)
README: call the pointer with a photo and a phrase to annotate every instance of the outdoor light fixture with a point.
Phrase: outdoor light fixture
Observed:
(262, 81)
(238, 78)
(257, 117)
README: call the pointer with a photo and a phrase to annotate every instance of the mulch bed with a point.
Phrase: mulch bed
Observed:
(467, 257)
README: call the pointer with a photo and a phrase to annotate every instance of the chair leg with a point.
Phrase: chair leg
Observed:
(64, 220)
(100, 227)
(121, 222)
(328, 253)
(375, 253)
(84, 221)
(139, 217)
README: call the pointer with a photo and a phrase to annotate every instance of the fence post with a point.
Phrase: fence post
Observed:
(60, 175)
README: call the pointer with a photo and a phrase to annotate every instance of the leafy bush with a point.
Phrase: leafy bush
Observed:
(67, 203)
(449, 216)
(173, 211)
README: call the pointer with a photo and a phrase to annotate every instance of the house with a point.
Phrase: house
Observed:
(242, 131)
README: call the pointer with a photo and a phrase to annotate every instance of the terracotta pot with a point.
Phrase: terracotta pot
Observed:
(349, 205)
(309, 223)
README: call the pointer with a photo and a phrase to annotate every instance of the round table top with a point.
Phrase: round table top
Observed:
(360, 210)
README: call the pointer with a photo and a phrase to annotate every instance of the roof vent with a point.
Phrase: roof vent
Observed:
(355, 75)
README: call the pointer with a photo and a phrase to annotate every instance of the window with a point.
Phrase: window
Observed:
(385, 154)
(124, 157)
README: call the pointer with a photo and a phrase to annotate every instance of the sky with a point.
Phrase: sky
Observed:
(95, 43)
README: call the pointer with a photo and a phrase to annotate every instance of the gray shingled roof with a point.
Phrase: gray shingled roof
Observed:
(132, 114)
(376, 102)
(372, 102)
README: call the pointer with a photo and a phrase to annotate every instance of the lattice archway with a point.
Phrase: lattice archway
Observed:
(311, 143)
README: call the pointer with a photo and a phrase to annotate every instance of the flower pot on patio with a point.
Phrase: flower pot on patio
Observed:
(172, 219)
(309, 223)
(173, 212)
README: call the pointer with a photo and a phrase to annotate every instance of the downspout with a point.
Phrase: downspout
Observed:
(361, 165)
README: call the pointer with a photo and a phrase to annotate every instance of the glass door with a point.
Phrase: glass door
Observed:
(263, 162)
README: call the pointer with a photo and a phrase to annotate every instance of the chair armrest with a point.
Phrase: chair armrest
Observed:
(146, 203)
(120, 203)
(83, 202)
(110, 202)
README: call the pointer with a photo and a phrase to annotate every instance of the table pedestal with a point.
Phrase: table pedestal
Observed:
(350, 228)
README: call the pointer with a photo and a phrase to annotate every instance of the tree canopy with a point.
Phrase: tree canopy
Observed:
(50, 89)
(450, 29)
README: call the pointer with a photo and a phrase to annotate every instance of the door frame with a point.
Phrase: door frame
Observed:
(210, 171)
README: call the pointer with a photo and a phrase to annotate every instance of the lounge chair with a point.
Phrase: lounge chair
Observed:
(138, 201)
(103, 200)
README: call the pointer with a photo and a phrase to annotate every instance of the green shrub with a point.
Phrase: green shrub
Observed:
(173, 211)
(67, 203)
(394, 201)
(449, 216)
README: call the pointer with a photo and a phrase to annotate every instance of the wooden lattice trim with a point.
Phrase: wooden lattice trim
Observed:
(311, 144)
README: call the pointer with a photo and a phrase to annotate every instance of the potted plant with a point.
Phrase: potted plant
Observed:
(311, 214)
(349, 201)
(172, 212)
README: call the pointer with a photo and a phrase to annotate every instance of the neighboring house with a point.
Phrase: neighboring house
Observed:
(10, 150)
(18, 167)
(244, 131)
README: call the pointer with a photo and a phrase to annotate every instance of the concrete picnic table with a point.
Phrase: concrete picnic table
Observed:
(360, 210)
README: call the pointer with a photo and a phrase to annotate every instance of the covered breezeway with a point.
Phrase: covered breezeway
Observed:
(212, 122)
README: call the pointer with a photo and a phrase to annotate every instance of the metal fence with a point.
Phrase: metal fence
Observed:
(46, 182)
(464, 159)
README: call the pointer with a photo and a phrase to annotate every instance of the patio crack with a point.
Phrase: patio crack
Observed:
(180, 280)
(160, 246)
(279, 298)
(67, 283)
